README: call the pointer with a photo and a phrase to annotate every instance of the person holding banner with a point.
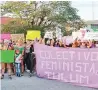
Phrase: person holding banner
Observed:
(40, 41)
(88, 45)
(48, 42)
(83, 45)
(61, 44)
(75, 44)
(52, 42)
(79, 43)
(3, 65)
(93, 44)
(43, 41)
(57, 44)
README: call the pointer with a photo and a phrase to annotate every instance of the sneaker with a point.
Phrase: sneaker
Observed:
(2, 77)
(35, 73)
(22, 74)
(30, 74)
(10, 77)
(27, 70)
(19, 75)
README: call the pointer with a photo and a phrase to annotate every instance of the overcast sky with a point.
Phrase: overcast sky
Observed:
(85, 9)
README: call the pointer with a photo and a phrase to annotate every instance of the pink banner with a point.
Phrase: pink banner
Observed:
(5, 36)
(74, 65)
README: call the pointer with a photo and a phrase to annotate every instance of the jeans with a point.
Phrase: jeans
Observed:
(18, 68)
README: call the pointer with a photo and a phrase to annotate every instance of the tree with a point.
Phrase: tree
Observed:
(43, 15)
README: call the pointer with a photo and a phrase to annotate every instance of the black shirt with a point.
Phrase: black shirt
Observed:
(31, 49)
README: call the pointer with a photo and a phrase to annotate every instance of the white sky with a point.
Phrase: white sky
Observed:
(85, 9)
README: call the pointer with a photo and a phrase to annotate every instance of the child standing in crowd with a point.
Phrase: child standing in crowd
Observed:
(20, 47)
(18, 58)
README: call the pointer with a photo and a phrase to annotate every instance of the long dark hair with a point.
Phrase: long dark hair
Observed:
(32, 48)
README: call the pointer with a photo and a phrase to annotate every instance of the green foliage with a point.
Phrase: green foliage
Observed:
(14, 26)
(40, 15)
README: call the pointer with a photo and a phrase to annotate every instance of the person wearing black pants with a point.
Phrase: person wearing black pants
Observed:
(32, 63)
(32, 60)
(27, 60)
(27, 55)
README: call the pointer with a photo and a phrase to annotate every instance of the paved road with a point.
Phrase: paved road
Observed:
(35, 83)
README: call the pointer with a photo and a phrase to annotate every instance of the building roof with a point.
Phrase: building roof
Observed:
(5, 20)
(92, 22)
(11, 15)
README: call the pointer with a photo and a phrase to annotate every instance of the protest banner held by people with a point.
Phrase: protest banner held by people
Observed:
(25, 55)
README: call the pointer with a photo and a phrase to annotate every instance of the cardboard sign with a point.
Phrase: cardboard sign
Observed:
(5, 36)
(32, 35)
(49, 35)
(68, 40)
(16, 37)
(91, 35)
(7, 56)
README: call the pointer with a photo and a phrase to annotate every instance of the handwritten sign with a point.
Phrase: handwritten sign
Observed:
(78, 66)
(7, 56)
(5, 36)
(48, 35)
(91, 35)
(33, 34)
(16, 37)
(68, 40)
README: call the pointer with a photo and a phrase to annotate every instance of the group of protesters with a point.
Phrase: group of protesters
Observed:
(24, 51)
(25, 56)
(77, 43)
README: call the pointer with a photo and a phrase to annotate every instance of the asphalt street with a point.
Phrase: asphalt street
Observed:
(34, 83)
